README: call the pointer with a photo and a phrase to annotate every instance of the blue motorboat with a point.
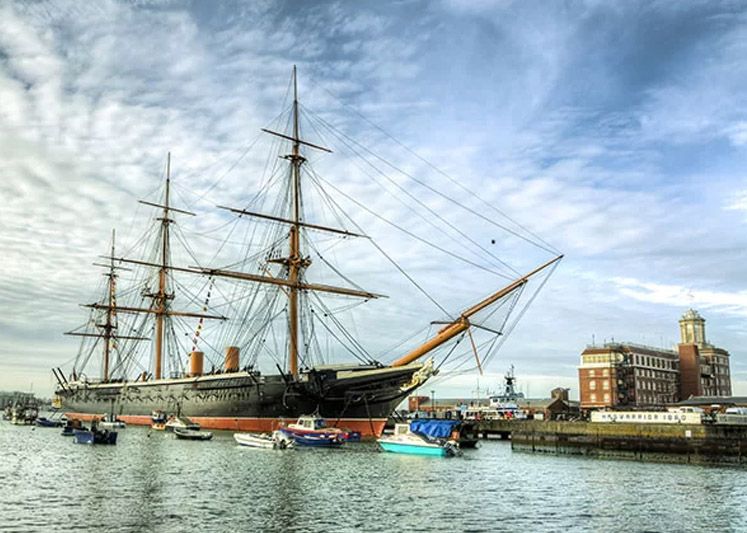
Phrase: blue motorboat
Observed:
(423, 437)
(43, 422)
(313, 430)
(94, 435)
(322, 440)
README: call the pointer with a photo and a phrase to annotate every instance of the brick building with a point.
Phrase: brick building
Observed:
(631, 375)
(712, 362)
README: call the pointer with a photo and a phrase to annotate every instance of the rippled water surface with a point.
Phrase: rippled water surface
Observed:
(151, 482)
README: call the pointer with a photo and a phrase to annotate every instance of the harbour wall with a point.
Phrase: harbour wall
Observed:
(680, 443)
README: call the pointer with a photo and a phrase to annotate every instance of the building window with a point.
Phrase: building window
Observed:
(606, 397)
(592, 385)
(591, 373)
(606, 372)
(593, 397)
(606, 385)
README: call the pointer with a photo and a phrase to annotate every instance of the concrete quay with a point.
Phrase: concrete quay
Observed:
(681, 443)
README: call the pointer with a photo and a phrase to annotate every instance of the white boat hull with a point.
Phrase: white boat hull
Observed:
(263, 440)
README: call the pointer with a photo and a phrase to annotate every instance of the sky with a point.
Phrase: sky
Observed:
(616, 131)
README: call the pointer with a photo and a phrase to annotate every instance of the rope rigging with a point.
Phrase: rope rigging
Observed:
(542, 244)
(259, 313)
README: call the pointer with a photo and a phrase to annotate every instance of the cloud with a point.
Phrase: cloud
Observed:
(601, 135)
(738, 133)
(675, 295)
(738, 202)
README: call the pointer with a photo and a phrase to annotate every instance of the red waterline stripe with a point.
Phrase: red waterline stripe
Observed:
(367, 428)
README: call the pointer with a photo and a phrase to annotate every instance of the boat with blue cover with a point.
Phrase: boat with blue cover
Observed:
(423, 437)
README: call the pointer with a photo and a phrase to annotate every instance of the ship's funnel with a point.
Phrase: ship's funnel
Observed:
(196, 361)
(232, 359)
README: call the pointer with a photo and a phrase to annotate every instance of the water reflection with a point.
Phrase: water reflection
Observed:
(152, 482)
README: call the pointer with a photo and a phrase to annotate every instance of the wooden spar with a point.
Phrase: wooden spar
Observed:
(99, 335)
(146, 263)
(294, 258)
(109, 325)
(160, 299)
(286, 221)
(157, 312)
(261, 279)
(462, 323)
(287, 283)
(62, 375)
(478, 326)
(110, 266)
(59, 380)
(162, 206)
(474, 350)
(295, 138)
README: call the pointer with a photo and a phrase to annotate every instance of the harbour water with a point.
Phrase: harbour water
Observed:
(151, 482)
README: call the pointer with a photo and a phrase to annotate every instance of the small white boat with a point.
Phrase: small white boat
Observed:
(181, 422)
(262, 440)
(117, 424)
(112, 423)
(192, 434)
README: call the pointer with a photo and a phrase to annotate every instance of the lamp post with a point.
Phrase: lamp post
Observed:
(433, 404)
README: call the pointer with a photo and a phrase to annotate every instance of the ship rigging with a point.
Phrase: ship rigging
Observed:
(263, 303)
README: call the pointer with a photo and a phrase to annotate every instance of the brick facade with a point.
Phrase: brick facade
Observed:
(632, 375)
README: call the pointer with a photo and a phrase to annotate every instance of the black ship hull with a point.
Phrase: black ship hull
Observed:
(359, 398)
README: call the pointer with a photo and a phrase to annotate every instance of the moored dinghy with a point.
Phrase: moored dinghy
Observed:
(116, 424)
(263, 440)
(181, 422)
(192, 434)
(43, 422)
(112, 422)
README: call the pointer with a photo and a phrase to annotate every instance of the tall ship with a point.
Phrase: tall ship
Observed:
(201, 348)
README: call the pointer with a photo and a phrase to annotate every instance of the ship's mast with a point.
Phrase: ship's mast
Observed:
(162, 297)
(109, 325)
(160, 306)
(295, 264)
